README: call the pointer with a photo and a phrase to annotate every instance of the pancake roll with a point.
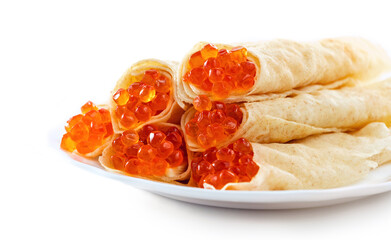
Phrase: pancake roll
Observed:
(284, 119)
(145, 94)
(248, 72)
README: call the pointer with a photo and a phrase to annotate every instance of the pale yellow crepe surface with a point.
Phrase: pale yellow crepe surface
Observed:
(286, 119)
(318, 162)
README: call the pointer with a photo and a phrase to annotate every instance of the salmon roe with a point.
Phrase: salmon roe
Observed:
(87, 131)
(221, 72)
(146, 97)
(150, 151)
(213, 122)
(231, 164)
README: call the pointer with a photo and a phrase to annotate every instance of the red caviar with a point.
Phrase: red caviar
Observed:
(202, 103)
(221, 72)
(209, 127)
(142, 100)
(88, 131)
(231, 164)
(150, 151)
(88, 106)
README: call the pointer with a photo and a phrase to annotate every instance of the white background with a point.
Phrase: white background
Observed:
(54, 56)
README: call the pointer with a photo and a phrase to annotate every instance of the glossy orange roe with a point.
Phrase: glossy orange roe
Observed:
(88, 131)
(142, 100)
(150, 151)
(209, 127)
(221, 72)
(202, 103)
(231, 164)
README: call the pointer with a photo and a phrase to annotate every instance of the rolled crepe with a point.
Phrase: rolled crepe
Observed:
(179, 173)
(284, 65)
(171, 114)
(321, 161)
(285, 119)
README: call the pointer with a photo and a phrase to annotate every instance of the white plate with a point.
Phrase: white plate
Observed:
(376, 183)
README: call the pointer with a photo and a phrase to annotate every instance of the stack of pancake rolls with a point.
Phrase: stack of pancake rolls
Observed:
(270, 115)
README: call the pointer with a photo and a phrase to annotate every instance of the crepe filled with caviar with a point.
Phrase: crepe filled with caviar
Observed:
(154, 151)
(89, 133)
(145, 94)
(317, 162)
(284, 119)
(265, 70)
